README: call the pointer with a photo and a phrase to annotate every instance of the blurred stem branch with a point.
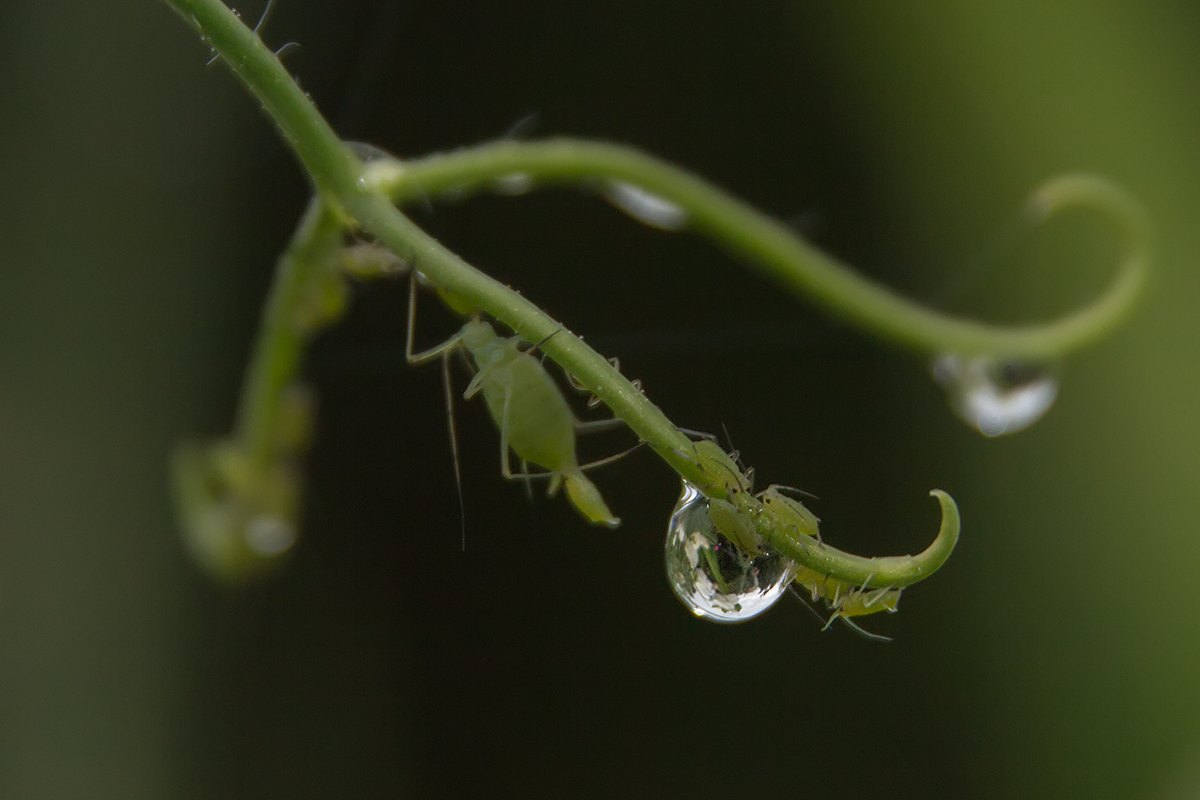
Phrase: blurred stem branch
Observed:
(776, 250)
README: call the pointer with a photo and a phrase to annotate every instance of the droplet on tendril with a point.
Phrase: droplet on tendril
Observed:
(643, 206)
(995, 396)
(710, 574)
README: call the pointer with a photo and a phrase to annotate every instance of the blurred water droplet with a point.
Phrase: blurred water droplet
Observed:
(651, 209)
(710, 574)
(269, 535)
(995, 396)
(513, 185)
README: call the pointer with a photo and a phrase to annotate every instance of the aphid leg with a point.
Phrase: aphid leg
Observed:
(874, 597)
(600, 462)
(794, 490)
(462, 506)
(875, 637)
(545, 339)
(596, 425)
(528, 480)
(433, 352)
(696, 435)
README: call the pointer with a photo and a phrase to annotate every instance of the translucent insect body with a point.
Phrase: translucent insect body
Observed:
(528, 407)
(736, 517)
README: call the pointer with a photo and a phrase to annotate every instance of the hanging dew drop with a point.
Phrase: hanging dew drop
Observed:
(710, 574)
(995, 396)
(643, 206)
(268, 535)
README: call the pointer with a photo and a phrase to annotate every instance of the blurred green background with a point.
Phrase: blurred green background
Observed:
(145, 199)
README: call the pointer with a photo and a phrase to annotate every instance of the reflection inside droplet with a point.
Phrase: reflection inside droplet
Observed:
(651, 209)
(995, 396)
(710, 575)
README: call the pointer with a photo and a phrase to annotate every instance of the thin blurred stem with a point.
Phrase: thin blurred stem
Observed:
(777, 251)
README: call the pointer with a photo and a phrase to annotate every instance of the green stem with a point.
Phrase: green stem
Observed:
(344, 187)
(777, 251)
(283, 334)
(869, 573)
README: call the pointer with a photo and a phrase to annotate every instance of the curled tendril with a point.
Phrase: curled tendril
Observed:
(352, 195)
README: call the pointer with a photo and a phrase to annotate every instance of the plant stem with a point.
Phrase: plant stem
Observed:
(345, 188)
(782, 255)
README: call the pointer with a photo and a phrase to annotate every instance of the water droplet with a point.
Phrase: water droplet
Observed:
(995, 396)
(651, 209)
(368, 152)
(513, 185)
(708, 572)
(381, 167)
(269, 535)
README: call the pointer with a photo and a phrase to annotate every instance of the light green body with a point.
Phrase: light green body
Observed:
(735, 517)
(533, 416)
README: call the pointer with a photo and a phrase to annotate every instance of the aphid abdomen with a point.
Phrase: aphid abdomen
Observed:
(534, 418)
(539, 426)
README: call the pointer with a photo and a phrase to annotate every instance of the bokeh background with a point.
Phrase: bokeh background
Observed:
(144, 199)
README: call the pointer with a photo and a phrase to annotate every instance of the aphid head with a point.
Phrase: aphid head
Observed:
(477, 334)
(720, 469)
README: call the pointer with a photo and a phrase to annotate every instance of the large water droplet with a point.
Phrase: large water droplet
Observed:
(708, 572)
(995, 396)
(651, 209)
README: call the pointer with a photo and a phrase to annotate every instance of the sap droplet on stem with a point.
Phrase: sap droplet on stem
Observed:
(995, 396)
(643, 206)
(710, 574)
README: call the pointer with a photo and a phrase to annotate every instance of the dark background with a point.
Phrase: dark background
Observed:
(146, 198)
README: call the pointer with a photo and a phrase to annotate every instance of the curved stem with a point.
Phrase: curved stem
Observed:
(781, 254)
(870, 573)
(347, 188)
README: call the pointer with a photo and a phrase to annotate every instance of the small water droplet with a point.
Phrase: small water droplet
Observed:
(995, 396)
(269, 535)
(368, 152)
(708, 572)
(512, 185)
(651, 209)
(381, 168)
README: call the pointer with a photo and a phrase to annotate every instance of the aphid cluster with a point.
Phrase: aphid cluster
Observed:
(721, 567)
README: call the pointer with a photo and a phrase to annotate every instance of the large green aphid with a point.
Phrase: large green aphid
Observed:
(534, 419)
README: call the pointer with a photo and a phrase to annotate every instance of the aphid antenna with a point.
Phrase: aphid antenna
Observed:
(796, 594)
